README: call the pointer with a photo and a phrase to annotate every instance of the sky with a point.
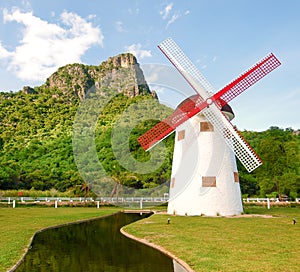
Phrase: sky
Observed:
(223, 38)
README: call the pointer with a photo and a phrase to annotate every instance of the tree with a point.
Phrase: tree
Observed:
(279, 151)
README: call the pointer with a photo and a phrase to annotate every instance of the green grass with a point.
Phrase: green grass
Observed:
(206, 244)
(228, 244)
(17, 226)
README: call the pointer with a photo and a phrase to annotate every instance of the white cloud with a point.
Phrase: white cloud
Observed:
(166, 11)
(4, 53)
(136, 50)
(119, 26)
(173, 19)
(133, 12)
(45, 46)
(92, 16)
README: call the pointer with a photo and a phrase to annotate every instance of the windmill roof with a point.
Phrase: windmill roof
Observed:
(189, 103)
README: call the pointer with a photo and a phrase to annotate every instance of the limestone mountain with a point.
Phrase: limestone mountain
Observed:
(121, 72)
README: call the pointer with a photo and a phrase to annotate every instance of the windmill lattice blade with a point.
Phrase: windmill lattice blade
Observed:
(185, 66)
(168, 125)
(246, 80)
(234, 140)
(155, 135)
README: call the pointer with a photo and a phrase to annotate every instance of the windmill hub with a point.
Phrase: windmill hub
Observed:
(209, 101)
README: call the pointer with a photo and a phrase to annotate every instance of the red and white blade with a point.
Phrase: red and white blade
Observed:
(247, 79)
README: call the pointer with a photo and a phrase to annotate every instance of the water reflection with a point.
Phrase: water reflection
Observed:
(96, 245)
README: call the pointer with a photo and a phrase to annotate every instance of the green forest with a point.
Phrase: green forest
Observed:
(36, 149)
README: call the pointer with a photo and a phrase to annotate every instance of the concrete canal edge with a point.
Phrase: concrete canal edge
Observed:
(157, 247)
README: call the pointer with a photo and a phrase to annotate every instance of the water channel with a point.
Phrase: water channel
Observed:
(95, 245)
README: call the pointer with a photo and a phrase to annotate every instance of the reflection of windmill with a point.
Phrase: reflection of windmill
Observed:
(204, 174)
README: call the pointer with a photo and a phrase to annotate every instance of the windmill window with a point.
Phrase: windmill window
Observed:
(206, 126)
(172, 182)
(181, 135)
(236, 176)
(209, 182)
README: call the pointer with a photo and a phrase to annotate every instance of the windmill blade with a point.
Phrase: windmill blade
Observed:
(155, 135)
(187, 69)
(233, 139)
(247, 79)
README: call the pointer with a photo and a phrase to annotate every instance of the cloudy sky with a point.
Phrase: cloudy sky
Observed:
(222, 37)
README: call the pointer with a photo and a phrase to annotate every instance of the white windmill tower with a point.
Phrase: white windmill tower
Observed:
(204, 176)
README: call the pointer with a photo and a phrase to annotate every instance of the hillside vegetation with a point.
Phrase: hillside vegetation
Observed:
(36, 128)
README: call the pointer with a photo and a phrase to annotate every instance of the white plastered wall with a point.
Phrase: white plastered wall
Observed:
(203, 154)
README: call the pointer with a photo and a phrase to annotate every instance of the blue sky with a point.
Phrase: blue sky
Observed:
(222, 38)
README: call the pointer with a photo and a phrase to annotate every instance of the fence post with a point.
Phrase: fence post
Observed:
(141, 203)
(97, 204)
(268, 200)
(14, 203)
(55, 205)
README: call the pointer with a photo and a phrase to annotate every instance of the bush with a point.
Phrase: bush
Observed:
(293, 195)
(36, 193)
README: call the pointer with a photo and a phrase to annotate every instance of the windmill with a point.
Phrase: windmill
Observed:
(204, 177)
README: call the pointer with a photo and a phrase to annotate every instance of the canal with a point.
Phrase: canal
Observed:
(95, 245)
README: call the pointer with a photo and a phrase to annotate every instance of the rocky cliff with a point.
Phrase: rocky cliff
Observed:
(121, 73)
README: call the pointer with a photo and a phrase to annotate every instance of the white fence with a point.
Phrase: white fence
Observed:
(121, 201)
(83, 199)
(117, 199)
(256, 199)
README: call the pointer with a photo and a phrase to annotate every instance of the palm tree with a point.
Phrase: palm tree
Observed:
(86, 189)
(116, 189)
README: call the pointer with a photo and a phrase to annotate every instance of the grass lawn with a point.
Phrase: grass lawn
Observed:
(18, 225)
(228, 244)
